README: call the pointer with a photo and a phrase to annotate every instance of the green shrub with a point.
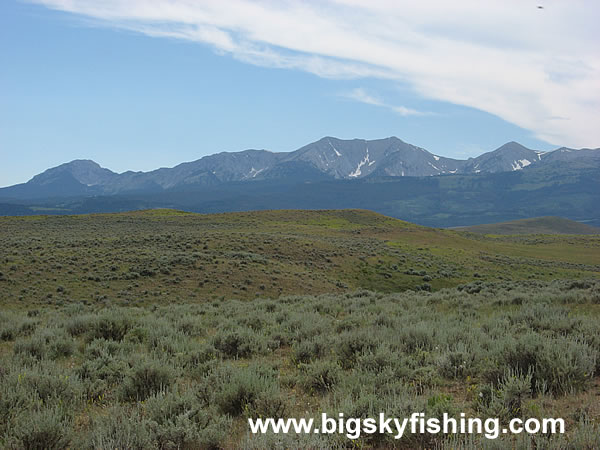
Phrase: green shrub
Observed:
(79, 324)
(27, 327)
(48, 384)
(564, 366)
(162, 384)
(559, 366)
(100, 348)
(190, 326)
(101, 368)
(43, 428)
(320, 376)
(35, 348)
(309, 350)
(61, 347)
(505, 398)
(458, 364)
(439, 404)
(381, 360)
(235, 344)
(291, 440)
(248, 391)
(7, 332)
(176, 421)
(137, 335)
(198, 355)
(417, 337)
(515, 388)
(145, 379)
(350, 345)
(112, 325)
(14, 398)
(118, 428)
(47, 344)
(270, 402)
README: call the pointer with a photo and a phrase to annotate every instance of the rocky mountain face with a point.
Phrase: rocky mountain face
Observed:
(509, 157)
(359, 158)
(327, 159)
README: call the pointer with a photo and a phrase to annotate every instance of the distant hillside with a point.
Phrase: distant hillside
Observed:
(168, 256)
(537, 225)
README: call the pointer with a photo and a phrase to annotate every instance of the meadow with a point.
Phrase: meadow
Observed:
(162, 329)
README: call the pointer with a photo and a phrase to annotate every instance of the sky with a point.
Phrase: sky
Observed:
(142, 84)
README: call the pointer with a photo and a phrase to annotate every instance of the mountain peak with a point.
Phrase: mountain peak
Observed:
(85, 171)
(334, 138)
(83, 162)
(512, 145)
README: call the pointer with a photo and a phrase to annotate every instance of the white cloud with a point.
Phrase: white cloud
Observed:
(360, 95)
(536, 68)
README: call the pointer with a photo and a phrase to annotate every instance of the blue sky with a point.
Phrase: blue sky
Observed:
(137, 85)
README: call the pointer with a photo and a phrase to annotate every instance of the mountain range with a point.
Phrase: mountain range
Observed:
(327, 159)
(385, 175)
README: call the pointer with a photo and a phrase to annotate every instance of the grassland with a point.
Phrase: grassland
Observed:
(537, 225)
(162, 329)
(165, 256)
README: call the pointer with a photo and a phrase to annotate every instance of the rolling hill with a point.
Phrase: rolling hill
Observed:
(166, 254)
(537, 225)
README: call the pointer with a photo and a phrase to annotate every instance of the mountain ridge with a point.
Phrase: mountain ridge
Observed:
(568, 189)
(329, 158)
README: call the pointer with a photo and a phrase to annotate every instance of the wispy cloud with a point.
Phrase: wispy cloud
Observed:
(523, 64)
(362, 96)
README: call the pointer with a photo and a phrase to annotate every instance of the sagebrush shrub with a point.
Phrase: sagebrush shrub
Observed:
(145, 379)
(47, 344)
(309, 350)
(41, 429)
(119, 428)
(350, 345)
(235, 344)
(564, 366)
(78, 325)
(504, 399)
(247, 391)
(177, 420)
(112, 325)
(320, 376)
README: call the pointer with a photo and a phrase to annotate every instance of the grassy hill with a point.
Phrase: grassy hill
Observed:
(166, 255)
(537, 225)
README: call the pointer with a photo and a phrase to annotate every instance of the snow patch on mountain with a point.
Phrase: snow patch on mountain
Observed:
(433, 166)
(358, 172)
(253, 172)
(334, 149)
(518, 165)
